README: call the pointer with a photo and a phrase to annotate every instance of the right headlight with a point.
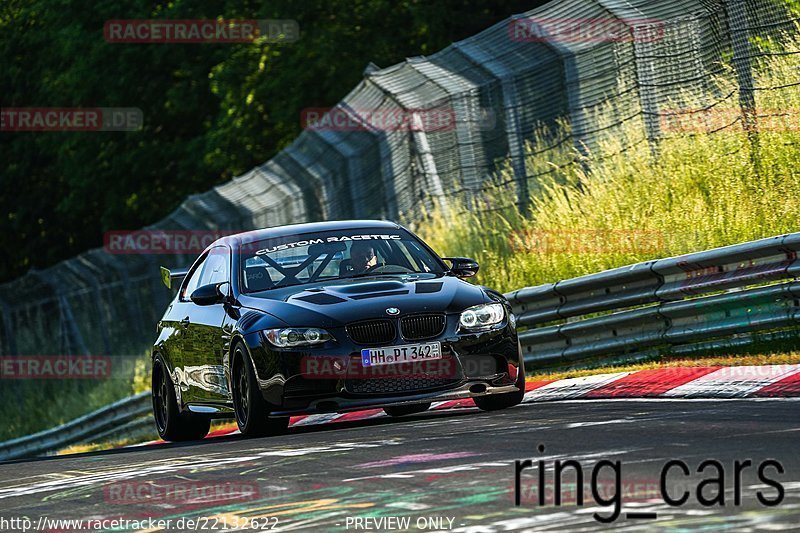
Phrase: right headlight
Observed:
(483, 316)
(292, 337)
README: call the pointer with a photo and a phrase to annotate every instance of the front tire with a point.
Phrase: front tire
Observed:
(496, 402)
(403, 410)
(171, 424)
(252, 411)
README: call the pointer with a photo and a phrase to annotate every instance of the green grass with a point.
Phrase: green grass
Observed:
(36, 404)
(621, 204)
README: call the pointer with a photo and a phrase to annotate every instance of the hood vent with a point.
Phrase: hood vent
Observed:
(427, 288)
(378, 295)
(321, 298)
(369, 286)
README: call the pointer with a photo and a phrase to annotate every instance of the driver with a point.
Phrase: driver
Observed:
(362, 257)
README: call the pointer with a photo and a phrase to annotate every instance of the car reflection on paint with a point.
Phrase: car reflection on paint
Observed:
(327, 317)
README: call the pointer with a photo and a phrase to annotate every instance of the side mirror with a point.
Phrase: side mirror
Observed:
(463, 267)
(208, 294)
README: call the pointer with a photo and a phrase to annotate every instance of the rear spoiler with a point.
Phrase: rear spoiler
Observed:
(168, 275)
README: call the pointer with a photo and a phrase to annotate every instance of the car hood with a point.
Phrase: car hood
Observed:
(336, 303)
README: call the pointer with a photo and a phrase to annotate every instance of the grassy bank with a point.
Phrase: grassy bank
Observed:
(37, 404)
(622, 202)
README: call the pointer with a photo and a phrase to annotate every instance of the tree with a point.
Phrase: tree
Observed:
(211, 111)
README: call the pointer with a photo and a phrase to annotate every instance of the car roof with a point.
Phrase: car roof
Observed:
(299, 229)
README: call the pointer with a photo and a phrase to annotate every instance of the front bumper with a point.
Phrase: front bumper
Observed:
(482, 363)
(341, 404)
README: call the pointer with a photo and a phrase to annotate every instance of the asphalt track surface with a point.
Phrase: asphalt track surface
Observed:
(454, 465)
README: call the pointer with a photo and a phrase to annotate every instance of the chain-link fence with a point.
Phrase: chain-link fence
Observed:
(521, 79)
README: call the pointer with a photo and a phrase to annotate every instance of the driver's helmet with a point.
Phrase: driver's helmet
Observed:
(361, 253)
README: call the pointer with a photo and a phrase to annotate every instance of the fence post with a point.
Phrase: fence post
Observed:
(646, 81)
(8, 343)
(428, 163)
(516, 142)
(72, 340)
(645, 33)
(582, 140)
(511, 103)
(742, 59)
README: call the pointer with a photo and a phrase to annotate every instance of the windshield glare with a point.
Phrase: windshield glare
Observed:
(321, 256)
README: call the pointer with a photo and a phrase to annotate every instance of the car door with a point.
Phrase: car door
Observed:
(175, 326)
(208, 334)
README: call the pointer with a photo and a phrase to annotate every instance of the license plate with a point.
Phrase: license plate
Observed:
(407, 353)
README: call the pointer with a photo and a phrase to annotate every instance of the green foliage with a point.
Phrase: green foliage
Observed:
(211, 111)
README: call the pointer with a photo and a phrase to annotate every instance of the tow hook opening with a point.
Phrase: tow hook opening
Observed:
(478, 388)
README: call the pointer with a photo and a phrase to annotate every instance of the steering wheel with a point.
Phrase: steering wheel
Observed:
(380, 269)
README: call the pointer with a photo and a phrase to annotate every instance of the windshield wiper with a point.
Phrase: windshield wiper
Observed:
(376, 274)
(367, 274)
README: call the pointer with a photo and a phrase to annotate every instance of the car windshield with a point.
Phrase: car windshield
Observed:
(329, 255)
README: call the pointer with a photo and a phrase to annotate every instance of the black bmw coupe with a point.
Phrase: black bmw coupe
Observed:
(327, 317)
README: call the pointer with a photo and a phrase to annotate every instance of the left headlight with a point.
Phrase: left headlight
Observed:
(291, 337)
(482, 316)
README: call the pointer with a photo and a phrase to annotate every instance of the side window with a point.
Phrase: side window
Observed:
(216, 268)
(194, 280)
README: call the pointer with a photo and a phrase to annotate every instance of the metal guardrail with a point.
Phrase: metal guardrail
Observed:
(101, 421)
(498, 92)
(638, 310)
(665, 303)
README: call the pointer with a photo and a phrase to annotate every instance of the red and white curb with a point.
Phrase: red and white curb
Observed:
(679, 382)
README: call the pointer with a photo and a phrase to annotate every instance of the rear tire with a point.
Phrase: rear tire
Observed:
(496, 402)
(403, 410)
(252, 411)
(171, 424)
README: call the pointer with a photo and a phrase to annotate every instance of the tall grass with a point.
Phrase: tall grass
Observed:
(622, 202)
